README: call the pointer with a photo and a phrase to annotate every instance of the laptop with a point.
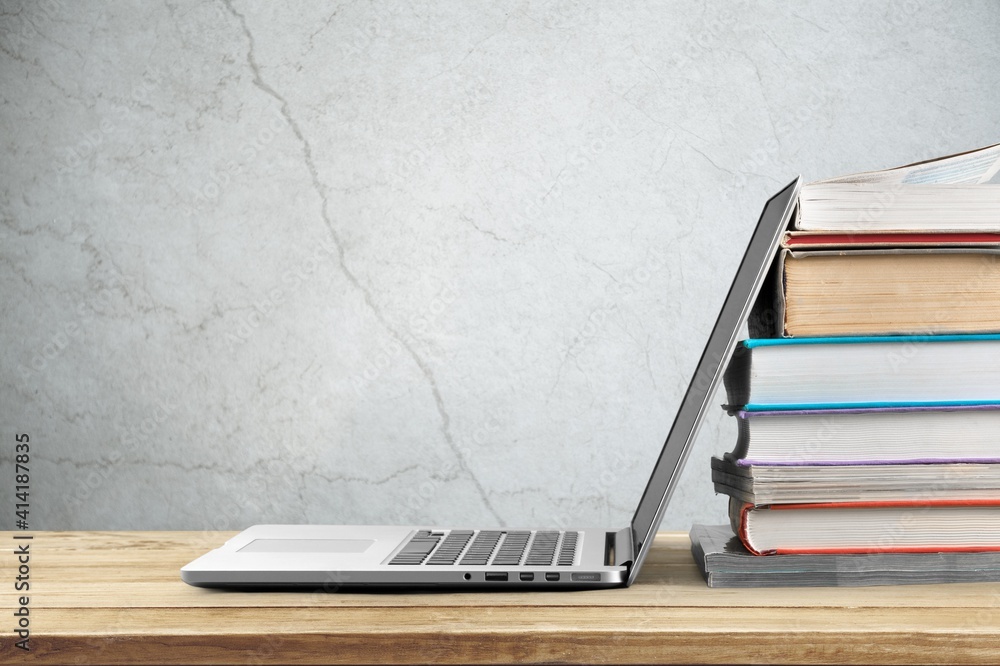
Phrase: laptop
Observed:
(333, 557)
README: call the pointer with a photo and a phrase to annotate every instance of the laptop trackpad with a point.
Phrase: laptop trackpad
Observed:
(307, 546)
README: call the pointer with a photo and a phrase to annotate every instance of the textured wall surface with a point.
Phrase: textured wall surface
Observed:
(409, 261)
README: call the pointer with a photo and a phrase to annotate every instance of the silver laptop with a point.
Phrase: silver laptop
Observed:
(333, 557)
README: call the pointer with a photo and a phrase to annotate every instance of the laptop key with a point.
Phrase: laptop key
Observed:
(512, 548)
(416, 549)
(567, 550)
(543, 549)
(451, 548)
(482, 548)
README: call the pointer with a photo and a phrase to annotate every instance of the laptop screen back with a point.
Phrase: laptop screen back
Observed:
(721, 343)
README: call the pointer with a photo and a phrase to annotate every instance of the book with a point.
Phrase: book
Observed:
(856, 206)
(951, 193)
(868, 436)
(831, 283)
(805, 484)
(812, 240)
(883, 291)
(725, 562)
(846, 372)
(909, 526)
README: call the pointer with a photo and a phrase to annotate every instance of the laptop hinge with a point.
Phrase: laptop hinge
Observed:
(619, 549)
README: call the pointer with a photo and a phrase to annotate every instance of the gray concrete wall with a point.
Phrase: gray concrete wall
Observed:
(424, 262)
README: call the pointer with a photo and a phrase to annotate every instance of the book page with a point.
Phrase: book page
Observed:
(972, 167)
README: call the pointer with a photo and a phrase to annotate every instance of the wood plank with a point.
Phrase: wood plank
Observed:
(116, 597)
(864, 621)
(55, 593)
(480, 636)
(71, 569)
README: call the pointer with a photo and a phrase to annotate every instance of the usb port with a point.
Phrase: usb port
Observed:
(526, 575)
(498, 576)
(552, 577)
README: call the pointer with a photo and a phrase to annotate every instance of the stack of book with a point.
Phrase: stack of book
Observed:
(868, 398)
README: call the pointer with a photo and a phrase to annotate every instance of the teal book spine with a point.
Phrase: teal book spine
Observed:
(869, 339)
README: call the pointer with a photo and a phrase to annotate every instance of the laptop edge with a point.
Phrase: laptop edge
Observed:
(719, 349)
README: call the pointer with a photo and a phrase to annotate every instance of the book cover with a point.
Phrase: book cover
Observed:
(802, 240)
(799, 484)
(900, 526)
(864, 371)
(888, 291)
(867, 436)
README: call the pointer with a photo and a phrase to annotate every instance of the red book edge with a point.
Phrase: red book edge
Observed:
(744, 510)
(894, 549)
(807, 239)
(884, 504)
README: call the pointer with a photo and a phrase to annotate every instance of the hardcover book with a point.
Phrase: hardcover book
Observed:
(907, 526)
(725, 562)
(826, 240)
(950, 193)
(839, 372)
(806, 484)
(889, 291)
(868, 436)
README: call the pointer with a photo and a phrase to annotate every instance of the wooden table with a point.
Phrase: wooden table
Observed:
(116, 597)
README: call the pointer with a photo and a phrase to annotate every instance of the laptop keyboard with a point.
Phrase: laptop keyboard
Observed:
(481, 548)
(502, 547)
(452, 547)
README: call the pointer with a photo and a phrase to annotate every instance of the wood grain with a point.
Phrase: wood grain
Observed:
(116, 597)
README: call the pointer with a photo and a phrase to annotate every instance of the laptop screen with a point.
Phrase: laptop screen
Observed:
(746, 285)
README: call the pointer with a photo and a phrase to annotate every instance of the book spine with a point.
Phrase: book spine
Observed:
(767, 319)
(739, 514)
(736, 378)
